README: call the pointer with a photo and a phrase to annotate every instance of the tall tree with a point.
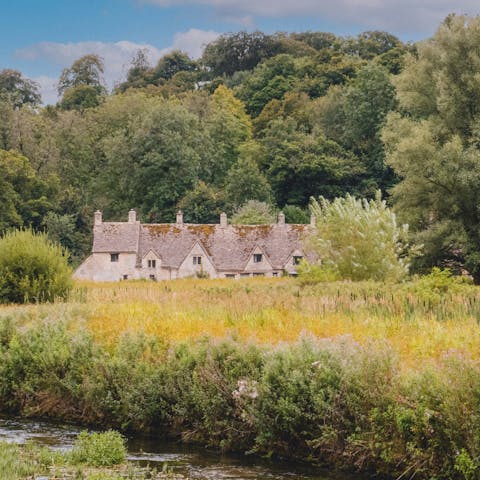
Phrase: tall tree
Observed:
(82, 85)
(18, 90)
(434, 144)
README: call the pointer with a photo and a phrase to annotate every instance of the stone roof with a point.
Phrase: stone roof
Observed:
(120, 237)
(229, 247)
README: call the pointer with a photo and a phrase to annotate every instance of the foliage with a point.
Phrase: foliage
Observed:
(18, 90)
(432, 143)
(23, 195)
(359, 239)
(203, 204)
(300, 165)
(86, 71)
(244, 180)
(99, 449)
(32, 269)
(254, 212)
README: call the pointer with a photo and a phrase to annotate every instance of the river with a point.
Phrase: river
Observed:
(194, 463)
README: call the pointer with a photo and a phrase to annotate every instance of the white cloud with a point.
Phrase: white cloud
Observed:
(48, 88)
(116, 56)
(398, 16)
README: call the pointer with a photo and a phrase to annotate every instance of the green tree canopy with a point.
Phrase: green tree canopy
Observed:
(433, 143)
(254, 212)
(17, 89)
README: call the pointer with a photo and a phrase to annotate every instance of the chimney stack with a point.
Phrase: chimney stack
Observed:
(223, 220)
(132, 216)
(179, 218)
(98, 218)
(281, 218)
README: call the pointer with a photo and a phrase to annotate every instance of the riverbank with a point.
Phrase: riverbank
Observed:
(30, 461)
(355, 402)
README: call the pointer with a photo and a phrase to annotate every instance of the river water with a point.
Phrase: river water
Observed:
(195, 463)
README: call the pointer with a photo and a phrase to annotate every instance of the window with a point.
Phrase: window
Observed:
(125, 277)
(257, 258)
(297, 259)
(197, 260)
(229, 275)
(274, 274)
(153, 277)
(244, 274)
(152, 263)
(114, 257)
(257, 274)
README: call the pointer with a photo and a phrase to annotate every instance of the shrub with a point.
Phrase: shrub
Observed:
(32, 268)
(359, 239)
(99, 449)
(254, 212)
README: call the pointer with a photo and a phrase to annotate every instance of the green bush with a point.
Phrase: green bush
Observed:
(99, 449)
(359, 239)
(32, 268)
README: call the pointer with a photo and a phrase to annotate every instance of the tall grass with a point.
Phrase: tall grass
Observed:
(379, 378)
(421, 322)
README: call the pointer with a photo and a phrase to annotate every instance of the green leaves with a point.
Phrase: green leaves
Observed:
(359, 239)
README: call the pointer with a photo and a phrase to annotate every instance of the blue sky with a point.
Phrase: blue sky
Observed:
(41, 37)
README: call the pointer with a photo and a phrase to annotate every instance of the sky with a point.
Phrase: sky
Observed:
(41, 37)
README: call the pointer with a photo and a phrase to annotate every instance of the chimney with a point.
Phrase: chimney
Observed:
(98, 218)
(281, 218)
(132, 216)
(312, 220)
(223, 220)
(179, 218)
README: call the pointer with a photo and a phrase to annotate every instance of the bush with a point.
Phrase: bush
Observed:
(32, 268)
(359, 239)
(99, 449)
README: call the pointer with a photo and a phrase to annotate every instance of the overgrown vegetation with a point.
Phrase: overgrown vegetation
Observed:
(32, 268)
(99, 456)
(357, 240)
(358, 375)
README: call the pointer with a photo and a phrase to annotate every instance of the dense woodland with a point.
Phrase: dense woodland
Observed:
(274, 118)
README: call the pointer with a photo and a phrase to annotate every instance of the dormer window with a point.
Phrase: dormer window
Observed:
(257, 258)
(297, 259)
(114, 257)
(197, 260)
(152, 263)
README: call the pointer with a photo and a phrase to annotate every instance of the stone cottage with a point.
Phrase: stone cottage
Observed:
(131, 250)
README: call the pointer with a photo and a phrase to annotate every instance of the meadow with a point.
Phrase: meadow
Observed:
(421, 320)
(370, 377)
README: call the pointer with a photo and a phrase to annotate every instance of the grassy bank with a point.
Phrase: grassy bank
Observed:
(93, 457)
(370, 377)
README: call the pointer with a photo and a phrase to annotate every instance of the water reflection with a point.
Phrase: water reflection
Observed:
(194, 463)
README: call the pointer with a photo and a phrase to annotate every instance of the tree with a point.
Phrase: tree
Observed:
(24, 197)
(87, 70)
(254, 212)
(18, 90)
(173, 63)
(433, 145)
(244, 179)
(235, 52)
(32, 269)
(203, 204)
(359, 239)
(299, 165)
(82, 85)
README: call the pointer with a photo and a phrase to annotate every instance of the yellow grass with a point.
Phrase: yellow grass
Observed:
(272, 311)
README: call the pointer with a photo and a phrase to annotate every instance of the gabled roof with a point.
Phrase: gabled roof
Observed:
(121, 237)
(228, 247)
